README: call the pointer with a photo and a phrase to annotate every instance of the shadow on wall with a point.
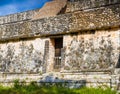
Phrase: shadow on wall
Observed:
(118, 63)
(51, 80)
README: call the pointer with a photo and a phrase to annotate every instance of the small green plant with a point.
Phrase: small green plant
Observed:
(16, 83)
(40, 72)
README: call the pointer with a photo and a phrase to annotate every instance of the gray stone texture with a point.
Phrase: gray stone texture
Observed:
(14, 18)
(102, 18)
(22, 56)
(91, 41)
(92, 51)
(88, 5)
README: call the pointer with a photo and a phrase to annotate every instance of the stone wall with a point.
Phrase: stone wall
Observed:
(14, 18)
(87, 5)
(92, 79)
(24, 56)
(103, 18)
(96, 50)
(91, 40)
(77, 5)
(7, 78)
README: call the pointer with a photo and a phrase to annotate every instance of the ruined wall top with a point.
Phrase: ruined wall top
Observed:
(83, 5)
(75, 16)
(51, 9)
(56, 7)
(17, 17)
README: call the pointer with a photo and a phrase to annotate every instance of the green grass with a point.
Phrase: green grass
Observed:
(35, 89)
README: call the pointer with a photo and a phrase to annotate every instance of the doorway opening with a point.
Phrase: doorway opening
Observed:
(58, 52)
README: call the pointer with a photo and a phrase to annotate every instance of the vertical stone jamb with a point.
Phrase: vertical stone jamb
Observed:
(62, 59)
(46, 54)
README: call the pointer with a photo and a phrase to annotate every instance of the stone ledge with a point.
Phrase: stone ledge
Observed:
(77, 71)
(18, 73)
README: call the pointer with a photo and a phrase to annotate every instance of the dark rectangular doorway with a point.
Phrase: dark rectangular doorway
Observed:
(58, 49)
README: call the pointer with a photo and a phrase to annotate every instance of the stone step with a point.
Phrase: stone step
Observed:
(11, 77)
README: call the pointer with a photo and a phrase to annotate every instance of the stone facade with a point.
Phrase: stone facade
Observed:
(24, 56)
(92, 50)
(89, 29)
(104, 17)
